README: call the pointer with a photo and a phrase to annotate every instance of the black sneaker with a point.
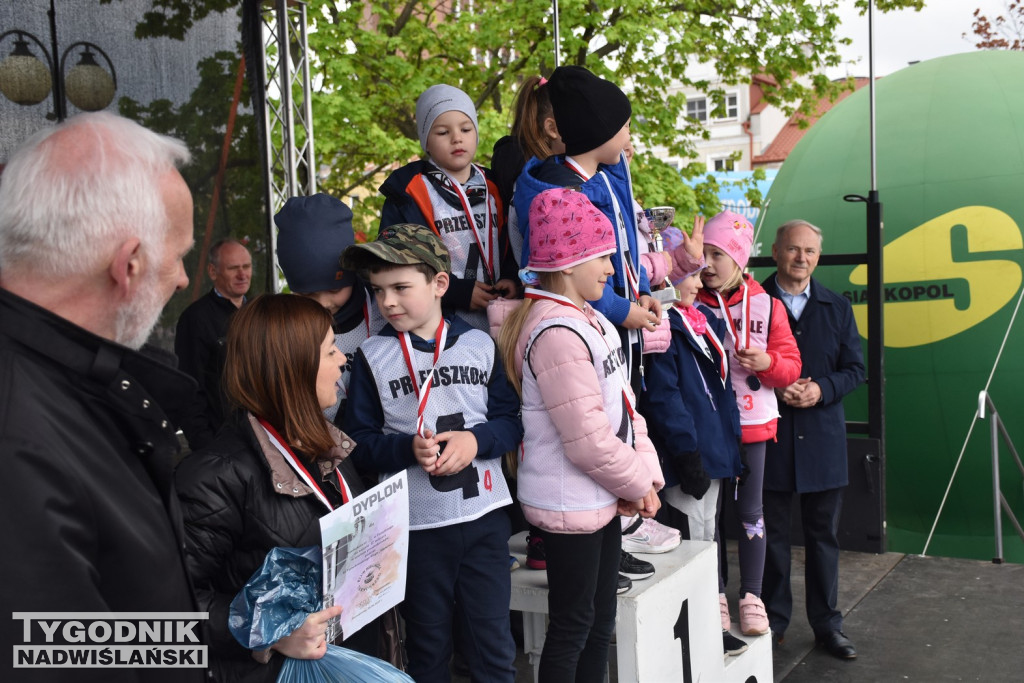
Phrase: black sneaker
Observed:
(634, 568)
(535, 556)
(624, 585)
(732, 645)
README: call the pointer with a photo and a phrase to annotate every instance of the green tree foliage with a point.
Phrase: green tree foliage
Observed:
(372, 60)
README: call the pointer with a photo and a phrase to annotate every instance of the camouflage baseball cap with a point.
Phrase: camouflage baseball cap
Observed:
(405, 244)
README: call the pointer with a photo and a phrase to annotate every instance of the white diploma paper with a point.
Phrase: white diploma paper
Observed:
(366, 550)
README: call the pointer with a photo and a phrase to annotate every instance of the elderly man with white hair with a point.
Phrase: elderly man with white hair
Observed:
(94, 222)
(808, 458)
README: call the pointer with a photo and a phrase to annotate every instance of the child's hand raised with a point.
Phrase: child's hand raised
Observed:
(694, 242)
(459, 450)
(426, 450)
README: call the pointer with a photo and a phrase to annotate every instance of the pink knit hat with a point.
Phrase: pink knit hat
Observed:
(733, 234)
(566, 230)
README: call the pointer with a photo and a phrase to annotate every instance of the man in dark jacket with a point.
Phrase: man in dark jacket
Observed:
(199, 338)
(809, 457)
(94, 223)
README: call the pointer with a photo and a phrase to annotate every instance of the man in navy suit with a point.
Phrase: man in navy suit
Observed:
(809, 457)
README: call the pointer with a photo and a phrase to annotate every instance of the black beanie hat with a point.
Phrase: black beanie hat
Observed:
(312, 233)
(588, 110)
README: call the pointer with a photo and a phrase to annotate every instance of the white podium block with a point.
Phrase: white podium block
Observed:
(667, 627)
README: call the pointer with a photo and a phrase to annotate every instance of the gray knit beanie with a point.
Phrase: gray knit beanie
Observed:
(436, 100)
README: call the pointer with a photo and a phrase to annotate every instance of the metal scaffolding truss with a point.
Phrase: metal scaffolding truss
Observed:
(288, 114)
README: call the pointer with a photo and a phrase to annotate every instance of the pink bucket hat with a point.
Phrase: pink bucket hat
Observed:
(733, 234)
(566, 230)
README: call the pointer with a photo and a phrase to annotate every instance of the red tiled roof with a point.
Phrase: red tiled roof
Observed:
(757, 101)
(792, 132)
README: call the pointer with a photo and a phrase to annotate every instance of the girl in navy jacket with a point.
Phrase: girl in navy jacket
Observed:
(693, 419)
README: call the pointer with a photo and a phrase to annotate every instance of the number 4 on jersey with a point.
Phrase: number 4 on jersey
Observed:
(469, 478)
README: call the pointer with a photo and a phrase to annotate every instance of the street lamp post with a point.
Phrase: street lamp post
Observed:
(27, 80)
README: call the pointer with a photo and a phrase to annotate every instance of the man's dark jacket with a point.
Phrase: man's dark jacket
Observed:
(199, 346)
(89, 518)
(810, 454)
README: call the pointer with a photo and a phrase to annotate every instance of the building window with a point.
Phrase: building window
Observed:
(697, 109)
(723, 164)
(732, 106)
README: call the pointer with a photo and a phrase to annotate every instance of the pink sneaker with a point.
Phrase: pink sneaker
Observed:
(651, 537)
(753, 617)
(723, 608)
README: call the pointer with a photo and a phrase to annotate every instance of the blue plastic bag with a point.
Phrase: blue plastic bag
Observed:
(276, 601)
(340, 666)
(278, 597)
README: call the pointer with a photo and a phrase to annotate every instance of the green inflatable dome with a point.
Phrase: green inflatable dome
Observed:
(950, 163)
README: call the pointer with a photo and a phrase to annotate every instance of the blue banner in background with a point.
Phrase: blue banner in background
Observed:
(732, 190)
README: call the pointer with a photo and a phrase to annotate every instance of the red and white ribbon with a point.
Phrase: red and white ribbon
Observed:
(440, 337)
(300, 468)
(737, 343)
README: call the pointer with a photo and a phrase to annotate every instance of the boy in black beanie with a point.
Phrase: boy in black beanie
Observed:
(593, 119)
(592, 116)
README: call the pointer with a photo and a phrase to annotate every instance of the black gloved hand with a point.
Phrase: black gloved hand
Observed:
(693, 480)
(744, 465)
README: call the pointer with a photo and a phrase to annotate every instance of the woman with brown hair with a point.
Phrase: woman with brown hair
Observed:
(273, 470)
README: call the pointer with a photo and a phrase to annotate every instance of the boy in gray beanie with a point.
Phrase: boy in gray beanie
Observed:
(454, 197)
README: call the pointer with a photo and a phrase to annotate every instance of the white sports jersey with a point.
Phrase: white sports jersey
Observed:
(453, 226)
(458, 401)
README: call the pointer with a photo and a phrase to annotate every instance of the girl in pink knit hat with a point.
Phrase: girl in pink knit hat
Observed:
(585, 456)
(762, 355)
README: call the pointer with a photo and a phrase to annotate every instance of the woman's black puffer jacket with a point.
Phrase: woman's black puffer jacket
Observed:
(236, 509)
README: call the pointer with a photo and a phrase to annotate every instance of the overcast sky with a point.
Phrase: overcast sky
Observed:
(905, 36)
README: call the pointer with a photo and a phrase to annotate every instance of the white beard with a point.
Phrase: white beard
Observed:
(136, 319)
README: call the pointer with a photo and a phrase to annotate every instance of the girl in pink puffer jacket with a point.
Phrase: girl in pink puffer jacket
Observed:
(585, 456)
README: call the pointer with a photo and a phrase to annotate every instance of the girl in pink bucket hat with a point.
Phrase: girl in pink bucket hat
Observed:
(762, 355)
(585, 456)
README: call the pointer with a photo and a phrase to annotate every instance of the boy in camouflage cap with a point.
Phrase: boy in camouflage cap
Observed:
(429, 396)
(404, 244)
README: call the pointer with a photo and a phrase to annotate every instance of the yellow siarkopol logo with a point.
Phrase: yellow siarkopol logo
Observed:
(944, 276)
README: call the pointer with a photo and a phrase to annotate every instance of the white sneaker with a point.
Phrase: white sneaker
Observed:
(651, 537)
